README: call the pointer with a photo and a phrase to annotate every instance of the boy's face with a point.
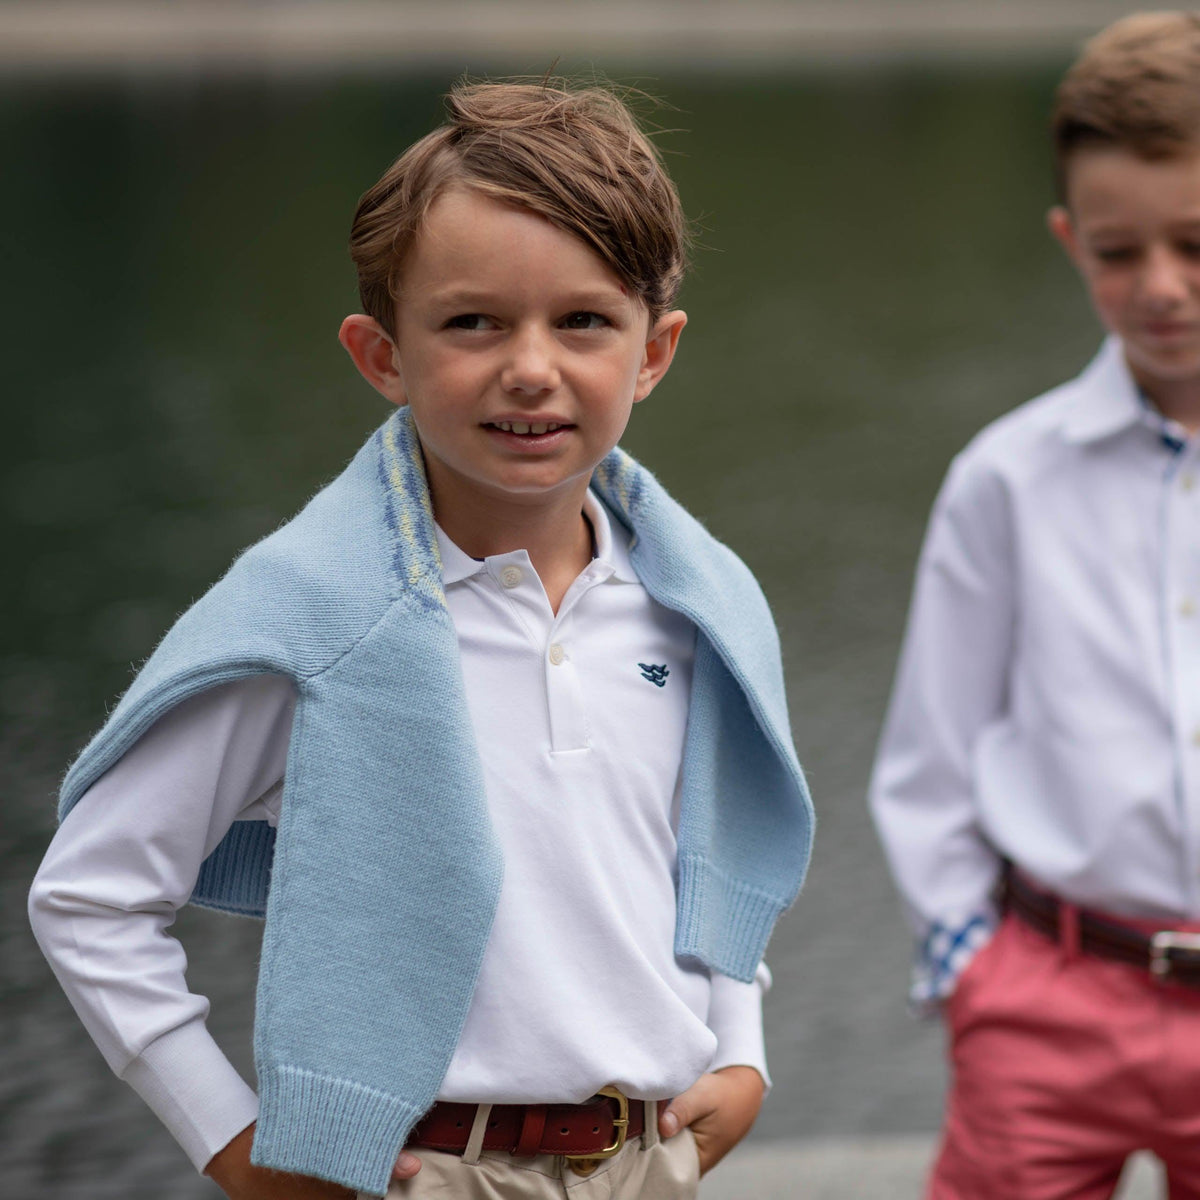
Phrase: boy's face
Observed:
(519, 352)
(1132, 227)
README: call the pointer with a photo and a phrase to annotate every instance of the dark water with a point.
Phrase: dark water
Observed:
(873, 283)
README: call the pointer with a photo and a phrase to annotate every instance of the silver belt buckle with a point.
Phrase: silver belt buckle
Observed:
(1161, 945)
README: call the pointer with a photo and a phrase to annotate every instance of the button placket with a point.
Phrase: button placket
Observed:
(517, 582)
(1181, 575)
(564, 692)
(569, 726)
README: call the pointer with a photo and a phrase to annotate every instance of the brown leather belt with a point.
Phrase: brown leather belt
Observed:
(1167, 955)
(594, 1129)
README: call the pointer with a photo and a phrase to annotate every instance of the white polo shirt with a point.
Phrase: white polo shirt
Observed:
(1047, 704)
(580, 719)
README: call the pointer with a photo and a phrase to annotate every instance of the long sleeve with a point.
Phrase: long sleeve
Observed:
(124, 861)
(952, 681)
(735, 1017)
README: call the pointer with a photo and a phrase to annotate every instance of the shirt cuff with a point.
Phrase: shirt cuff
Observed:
(944, 955)
(735, 1017)
(194, 1090)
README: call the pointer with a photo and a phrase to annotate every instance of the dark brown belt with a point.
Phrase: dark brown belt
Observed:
(1167, 955)
(597, 1128)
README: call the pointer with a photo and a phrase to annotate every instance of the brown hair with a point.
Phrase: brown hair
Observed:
(1136, 86)
(574, 155)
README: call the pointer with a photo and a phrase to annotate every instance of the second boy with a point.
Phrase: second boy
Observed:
(1044, 732)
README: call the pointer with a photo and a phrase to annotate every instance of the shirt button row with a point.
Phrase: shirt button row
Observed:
(510, 577)
(557, 654)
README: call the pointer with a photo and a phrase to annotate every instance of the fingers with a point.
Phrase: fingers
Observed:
(687, 1108)
(670, 1122)
(407, 1165)
(719, 1108)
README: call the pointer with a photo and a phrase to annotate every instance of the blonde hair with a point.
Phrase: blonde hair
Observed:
(573, 155)
(1136, 86)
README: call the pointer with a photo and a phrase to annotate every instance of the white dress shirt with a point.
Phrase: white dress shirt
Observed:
(581, 744)
(1046, 708)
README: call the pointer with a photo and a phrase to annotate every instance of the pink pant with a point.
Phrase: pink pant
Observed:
(1063, 1065)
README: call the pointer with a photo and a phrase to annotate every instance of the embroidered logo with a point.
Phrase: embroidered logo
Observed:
(656, 675)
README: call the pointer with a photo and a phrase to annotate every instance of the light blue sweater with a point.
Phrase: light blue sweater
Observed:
(380, 886)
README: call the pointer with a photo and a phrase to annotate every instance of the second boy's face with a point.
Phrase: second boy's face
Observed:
(1133, 230)
(519, 352)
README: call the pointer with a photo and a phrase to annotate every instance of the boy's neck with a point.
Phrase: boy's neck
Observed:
(556, 535)
(1177, 399)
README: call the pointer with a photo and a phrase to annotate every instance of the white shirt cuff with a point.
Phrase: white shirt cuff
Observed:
(194, 1090)
(735, 1017)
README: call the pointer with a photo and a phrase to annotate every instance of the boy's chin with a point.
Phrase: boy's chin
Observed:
(1153, 365)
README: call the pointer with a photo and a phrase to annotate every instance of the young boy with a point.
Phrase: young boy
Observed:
(1044, 734)
(492, 732)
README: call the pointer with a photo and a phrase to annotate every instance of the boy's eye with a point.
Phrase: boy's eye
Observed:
(1116, 254)
(584, 320)
(1190, 249)
(471, 321)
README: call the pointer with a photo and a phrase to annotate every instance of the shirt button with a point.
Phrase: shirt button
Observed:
(1187, 482)
(511, 577)
(1187, 607)
(1196, 736)
(557, 654)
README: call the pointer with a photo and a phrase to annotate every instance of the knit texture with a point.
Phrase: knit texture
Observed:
(380, 885)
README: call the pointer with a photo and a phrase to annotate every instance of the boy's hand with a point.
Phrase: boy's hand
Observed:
(720, 1107)
(232, 1171)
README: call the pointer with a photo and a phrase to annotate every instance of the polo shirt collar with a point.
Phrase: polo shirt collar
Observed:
(457, 565)
(611, 540)
(611, 548)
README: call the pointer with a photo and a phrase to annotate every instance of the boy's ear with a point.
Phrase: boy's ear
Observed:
(660, 350)
(375, 355)
(1058, 221)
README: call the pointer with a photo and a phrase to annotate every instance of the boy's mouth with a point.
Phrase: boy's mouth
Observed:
(530, 429)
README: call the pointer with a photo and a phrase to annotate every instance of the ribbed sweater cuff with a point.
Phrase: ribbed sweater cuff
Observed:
(722, 922)
(232, 878)
(329, 1128)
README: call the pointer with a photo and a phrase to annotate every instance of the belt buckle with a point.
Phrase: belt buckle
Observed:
(620, 1128)
(1161, 945)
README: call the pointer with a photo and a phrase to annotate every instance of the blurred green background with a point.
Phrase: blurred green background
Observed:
(873, 283)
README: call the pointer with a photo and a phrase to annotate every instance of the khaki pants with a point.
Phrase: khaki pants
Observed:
(646, 1169)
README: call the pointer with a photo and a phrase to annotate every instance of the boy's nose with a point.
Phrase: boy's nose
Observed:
(531, 364)
(1165, 278)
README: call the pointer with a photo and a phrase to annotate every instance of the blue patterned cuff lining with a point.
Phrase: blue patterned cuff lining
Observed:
(943, 956)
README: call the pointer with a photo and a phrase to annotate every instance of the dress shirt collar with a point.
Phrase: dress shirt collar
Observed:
(1108, 401)
(611, 548)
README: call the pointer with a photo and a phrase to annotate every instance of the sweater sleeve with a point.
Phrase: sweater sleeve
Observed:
(951, 683)
(123, 862)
